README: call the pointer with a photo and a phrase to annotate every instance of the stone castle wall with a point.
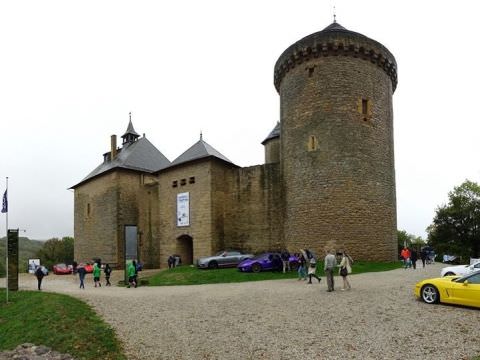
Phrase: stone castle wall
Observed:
(337, 162)
(102, 207)
(252, 217)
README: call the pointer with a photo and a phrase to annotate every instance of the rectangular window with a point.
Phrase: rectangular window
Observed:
(174, 183)
(183, 182)
(191, 180)
(365, 107)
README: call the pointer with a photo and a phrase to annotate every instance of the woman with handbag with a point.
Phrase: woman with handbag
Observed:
(345, 269)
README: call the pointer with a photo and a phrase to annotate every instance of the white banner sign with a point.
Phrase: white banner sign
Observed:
(183, 209)
(32, 265)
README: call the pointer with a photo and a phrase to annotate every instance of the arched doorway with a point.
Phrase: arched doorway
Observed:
(185, 249)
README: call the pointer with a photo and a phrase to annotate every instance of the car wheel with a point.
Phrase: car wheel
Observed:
(256, 268)
(430, 294)
(213, 265)
(449, 273)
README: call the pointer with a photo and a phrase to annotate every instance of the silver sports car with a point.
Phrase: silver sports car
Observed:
(226, 258)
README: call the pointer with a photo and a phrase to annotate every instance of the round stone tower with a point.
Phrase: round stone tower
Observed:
(336, 144)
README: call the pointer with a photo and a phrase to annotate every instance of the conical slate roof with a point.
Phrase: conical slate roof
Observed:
(275, 133)
(140, 155)
(197, 151)
(130, 130)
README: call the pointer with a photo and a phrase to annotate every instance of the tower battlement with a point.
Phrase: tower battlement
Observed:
(335, 40)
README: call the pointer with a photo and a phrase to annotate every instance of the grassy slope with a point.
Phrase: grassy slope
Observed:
(58, 321)
(186, 275)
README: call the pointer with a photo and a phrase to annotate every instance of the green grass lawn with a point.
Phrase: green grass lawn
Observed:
(187, 275)
(60, 322)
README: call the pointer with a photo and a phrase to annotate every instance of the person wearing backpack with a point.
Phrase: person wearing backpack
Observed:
(39, 274)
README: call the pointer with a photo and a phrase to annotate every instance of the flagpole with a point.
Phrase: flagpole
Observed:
(6, 243)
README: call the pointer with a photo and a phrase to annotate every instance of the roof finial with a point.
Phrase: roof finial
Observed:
(201, 135)
(334, 15)
(130, 115)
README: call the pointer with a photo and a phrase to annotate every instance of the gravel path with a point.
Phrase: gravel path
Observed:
(283, 319)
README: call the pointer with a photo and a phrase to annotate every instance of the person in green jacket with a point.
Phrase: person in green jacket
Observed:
(96, 274)
(132, 272)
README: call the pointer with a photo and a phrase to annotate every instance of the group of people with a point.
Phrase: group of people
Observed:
(97, 271)
(410, 257)
(307, 266)
(173, 261)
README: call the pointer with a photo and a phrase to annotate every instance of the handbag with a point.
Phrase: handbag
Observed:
(343, 271)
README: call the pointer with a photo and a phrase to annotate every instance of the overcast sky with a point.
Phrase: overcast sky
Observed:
(71, 71)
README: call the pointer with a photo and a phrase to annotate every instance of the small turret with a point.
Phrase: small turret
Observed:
(130, 135)
(272, 146)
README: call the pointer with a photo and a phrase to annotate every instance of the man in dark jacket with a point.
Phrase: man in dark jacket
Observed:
(39, 274)
(413, 258)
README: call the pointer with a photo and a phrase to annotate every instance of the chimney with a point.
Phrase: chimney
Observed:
(113, 143)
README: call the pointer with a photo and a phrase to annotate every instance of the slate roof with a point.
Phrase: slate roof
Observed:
(273, 134)
(140, 155)
(130, 130)
(199, 150)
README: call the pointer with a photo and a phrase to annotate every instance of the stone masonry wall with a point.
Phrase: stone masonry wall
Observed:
(252, 213)
(95, 230)
(163, 225)
(272, 151)
(337, 163)
(112, 199)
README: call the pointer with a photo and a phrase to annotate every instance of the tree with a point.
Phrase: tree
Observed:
(404, 239)
(409, 240)
(56, 251)
(455, 227)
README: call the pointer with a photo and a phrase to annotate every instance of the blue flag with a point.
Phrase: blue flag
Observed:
(5, 203)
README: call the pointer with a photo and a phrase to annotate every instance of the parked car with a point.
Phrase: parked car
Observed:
(62, 269)
(460, 290)
(460, 269)
(262, 262)
(225, 258)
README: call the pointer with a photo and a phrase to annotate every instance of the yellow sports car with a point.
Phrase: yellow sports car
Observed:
(464, 290)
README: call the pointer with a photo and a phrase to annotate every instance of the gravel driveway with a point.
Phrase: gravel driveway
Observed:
(282, 319)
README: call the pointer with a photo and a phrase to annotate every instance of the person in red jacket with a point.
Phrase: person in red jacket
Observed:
(405, 254)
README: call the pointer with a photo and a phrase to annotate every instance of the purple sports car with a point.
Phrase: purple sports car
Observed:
(266, 261)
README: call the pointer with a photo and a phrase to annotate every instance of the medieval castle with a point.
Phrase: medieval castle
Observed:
(328, 177)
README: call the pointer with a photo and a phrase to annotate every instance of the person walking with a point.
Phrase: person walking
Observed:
(96, 274)
(413, 258)
(302, 273)
(171, 262)
(423, 256)
(81, 275)
(345, 269)
(405, 254)
(131, 274)
(108, 272)
(329, 265)
(39, 274)
(312, 268)
(285, 255)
